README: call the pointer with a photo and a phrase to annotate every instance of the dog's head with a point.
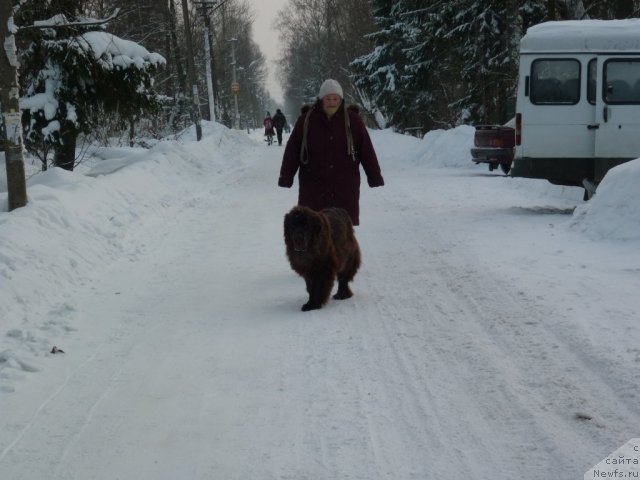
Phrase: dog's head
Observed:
(301, 226)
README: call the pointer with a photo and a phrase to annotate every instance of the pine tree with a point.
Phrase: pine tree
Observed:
(482, 45)
(610, 9)
(442, 63)
(73, 74)
(380, 72)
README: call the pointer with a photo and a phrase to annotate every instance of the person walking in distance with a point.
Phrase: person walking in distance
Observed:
(279, 121)
(268, 128)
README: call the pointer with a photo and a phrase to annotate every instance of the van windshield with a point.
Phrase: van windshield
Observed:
(555, 82)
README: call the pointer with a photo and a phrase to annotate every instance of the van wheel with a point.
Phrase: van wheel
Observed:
(505, 168)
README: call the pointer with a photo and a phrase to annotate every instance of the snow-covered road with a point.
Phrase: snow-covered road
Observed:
(472, 348)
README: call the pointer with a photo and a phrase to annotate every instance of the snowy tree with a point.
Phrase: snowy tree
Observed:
(251, 70)
(611, 8)
(156, 25)
(320, 38)
(73, 75)
(381, 73)
(543, 10)
(446, 62)
(441, 63)
(483, 47)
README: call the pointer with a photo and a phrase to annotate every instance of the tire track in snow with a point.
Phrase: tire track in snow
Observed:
(490, 344)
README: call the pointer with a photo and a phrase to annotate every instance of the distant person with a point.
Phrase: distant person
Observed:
(268, 128)
(279, 121)
(328, 144)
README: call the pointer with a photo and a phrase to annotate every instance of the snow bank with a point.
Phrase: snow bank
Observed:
(438, 148)
(77, 223)
(446, 148)
(392, 149)
(613, 213)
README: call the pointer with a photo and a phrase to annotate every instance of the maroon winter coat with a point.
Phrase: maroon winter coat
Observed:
(331, 178)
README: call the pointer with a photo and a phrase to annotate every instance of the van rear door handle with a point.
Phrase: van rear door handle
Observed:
(595, 126)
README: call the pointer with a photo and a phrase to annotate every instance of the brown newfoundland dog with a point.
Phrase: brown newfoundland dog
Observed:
(322, 246)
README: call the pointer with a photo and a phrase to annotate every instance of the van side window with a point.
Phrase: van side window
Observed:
(621, 81)
(555, 82)
(592, 81)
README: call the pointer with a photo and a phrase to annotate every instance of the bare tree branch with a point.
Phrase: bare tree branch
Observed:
(60, 21)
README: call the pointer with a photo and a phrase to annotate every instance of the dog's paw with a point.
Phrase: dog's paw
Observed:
(310, 306)
(343, 295)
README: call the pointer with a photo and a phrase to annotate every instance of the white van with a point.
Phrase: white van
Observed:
(578, 100)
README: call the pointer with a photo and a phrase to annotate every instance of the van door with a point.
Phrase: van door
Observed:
(557, 115)
(618, 108)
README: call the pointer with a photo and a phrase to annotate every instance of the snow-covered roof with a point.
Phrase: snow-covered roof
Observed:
(572, 36)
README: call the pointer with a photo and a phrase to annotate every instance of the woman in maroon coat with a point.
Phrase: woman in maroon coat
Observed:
(328, 151)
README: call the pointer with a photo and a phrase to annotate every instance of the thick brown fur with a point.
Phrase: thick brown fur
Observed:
(321, 246)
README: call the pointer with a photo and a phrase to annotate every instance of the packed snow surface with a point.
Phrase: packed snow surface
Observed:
(494, 332)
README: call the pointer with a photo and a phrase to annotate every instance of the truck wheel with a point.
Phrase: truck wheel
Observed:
(505, 168)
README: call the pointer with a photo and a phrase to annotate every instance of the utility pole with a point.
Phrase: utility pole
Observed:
(235, 86)
(195, 107)
(10, 109)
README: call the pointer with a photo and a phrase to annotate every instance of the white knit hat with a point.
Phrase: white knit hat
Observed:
(330, 86)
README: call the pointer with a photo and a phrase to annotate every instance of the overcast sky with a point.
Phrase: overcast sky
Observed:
(267, 38)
